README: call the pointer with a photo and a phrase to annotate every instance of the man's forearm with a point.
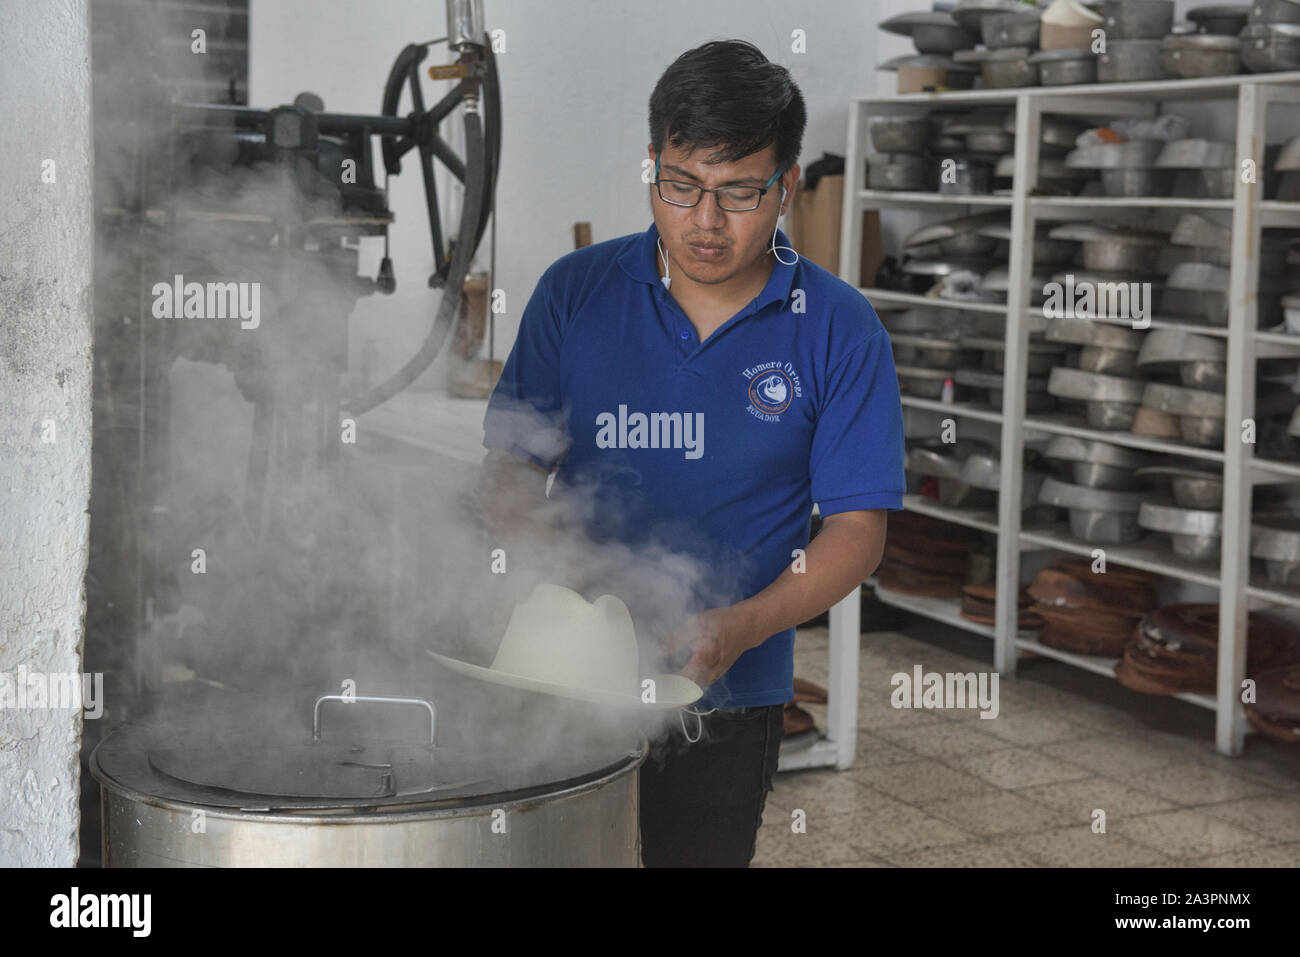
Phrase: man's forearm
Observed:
(843, 555)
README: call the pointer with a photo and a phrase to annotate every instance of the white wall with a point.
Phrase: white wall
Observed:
(576, 80)
(45, 341)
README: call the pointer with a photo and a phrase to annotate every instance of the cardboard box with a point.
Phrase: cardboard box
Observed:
(1055, 36)
(917, 79)
(814, 229)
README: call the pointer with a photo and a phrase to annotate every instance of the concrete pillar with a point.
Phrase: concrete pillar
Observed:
(45, 413)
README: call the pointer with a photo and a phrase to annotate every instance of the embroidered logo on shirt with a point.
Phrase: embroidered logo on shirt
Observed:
(772, 387)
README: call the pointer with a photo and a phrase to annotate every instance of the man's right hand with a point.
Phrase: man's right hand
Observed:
(512, 493)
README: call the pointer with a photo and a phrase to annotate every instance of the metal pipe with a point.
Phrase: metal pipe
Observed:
(247, 116)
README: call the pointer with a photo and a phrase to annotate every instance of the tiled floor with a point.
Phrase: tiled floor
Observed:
(1067, 752)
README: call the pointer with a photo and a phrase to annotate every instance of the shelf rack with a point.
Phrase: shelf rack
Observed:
(1252, 95)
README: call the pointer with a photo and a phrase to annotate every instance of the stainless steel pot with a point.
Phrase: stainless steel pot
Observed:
(990, 141)
(1003, 68)
(971, 177)
(896, 171)
(1137, 19)
(1066, 67)
(1011, 30)
(930, 32)
(1271, 47)
(1137, 182)
(1195, 533)
(1200, 54)
(900, 134)
(1192, 488)
(182, 798)
(1274, 11)
(1130, 60)
(1221, 19)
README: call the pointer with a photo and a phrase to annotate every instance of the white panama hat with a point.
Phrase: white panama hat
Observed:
(559, 644)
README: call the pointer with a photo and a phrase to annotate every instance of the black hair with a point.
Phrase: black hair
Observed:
(727, 97)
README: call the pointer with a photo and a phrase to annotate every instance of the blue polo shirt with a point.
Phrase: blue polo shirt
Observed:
(703, 458)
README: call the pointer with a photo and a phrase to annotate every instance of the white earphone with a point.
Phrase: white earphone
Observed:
(775, 247)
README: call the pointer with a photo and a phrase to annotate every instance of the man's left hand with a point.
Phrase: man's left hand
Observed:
(717, 638)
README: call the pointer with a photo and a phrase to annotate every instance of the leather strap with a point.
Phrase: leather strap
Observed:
(1279, 729)
(952, 564)
(912, 581)
(1277, 693)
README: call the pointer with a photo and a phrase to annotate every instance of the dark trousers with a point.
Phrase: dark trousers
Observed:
(702, 803)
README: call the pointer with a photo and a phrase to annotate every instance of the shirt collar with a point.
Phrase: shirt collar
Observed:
(638, 260)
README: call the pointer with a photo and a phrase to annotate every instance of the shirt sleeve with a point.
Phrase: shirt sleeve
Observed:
(525, 415)
(857, 448)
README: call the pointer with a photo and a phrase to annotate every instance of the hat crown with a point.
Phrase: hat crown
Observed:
(558, 637)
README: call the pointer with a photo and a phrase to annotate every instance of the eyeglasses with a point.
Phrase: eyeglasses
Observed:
(731, 199)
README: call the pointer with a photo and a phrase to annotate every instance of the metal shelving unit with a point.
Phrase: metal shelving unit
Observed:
(1251, 96)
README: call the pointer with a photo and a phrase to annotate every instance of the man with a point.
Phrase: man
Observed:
(703, 387)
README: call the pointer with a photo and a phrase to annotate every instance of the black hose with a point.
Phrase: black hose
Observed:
(472, 213)
(410, 56)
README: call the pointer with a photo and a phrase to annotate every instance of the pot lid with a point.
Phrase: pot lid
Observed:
(1202, 41)
(905, 24)
(1271, 31)
(935, 463)
(1082, 332)
(945, 267)
(1170, 518)
(925, 61)
(1100, 232)
(1203, 277)
(333, 773)
(998, 279)
(1219, 11)
(1180, 400)
(1197, 154)
(992, 56)
(970, 13)
(1068, 383)
(1060, 56)
(1179, 472)
(1065, 495)
(1099, 277)
(1193, 229)
(1131, 154)
(1180, 345)
(910, 160)
(1073, 449)
(976, 122)
(243, 752)
(955, 227)
(979, 378)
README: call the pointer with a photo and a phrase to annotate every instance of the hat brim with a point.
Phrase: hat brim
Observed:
(671, 691)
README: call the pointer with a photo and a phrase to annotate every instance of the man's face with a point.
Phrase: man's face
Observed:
(712, 245)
